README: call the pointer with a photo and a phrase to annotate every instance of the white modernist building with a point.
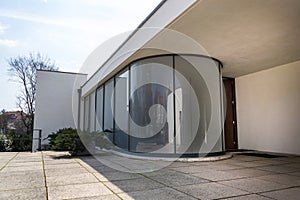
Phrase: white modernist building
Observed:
(161, 92)
(54, 107)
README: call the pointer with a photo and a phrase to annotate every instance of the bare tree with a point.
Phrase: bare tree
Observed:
(23, 69)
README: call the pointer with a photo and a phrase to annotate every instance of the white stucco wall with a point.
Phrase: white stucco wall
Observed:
(54, 103)
(268, 109)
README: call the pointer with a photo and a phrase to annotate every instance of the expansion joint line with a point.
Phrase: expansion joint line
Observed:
(9, 161)
(44, 172)
(97, 179)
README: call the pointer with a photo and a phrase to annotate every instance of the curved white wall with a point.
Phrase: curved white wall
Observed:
(268, 109)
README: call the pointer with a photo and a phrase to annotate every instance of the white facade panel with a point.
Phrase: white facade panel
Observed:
(268, 109)
(56, 102)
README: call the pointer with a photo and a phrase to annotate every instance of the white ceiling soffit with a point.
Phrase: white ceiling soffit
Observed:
(163, 16)
(246, 35)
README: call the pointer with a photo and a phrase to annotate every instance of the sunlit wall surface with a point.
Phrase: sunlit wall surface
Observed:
(161, 105)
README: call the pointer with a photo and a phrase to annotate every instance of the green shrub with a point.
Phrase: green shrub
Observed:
(76, 142)
(63, 140)
(20, 142)
(5, 143)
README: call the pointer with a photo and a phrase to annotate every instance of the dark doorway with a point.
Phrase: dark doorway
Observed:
(230, 126)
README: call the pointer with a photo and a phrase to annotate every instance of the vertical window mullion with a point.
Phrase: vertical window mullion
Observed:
(129, 107)
(174, 104)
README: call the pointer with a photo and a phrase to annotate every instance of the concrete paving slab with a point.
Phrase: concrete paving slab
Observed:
(279, 169)
(133, 185)
(33, 173)
(219, 175)
(71, 179)
(174, 179)
(116, 175)
(156, 194)
(290, 159)
(100, 169)
(77, 191)
(192, 169)
(221, 166)
(20, 164)
(282, 179)
(249, 197)
(24, 194)
(247, 158)
(250, 172)
(90, 162)
(287, 194)
(65, 166)
(102, 197)
(8, 153)
(211, 191)
(254, 185)
(21, 182)
(259, 163)
(293, 165)
(22, 177)
(294, 173)
(62, 172)
(59, 161)
(23, 168)
(161, 172)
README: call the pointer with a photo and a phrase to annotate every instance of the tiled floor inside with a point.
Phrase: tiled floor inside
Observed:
(51, 175)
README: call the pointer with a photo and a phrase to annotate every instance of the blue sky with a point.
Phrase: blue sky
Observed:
(66, 31)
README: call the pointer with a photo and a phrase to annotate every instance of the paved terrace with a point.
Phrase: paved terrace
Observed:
(49, 175)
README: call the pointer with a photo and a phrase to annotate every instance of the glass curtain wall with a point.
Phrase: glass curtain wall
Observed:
(99, 109)
(108, 124)
(92, 113)
(170, 104)
(86, 113)
(122, 109)
(151, 97)
(197, 105)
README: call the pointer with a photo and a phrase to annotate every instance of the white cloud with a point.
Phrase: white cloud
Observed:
(37, 19)
(2, 27)
(8, 43)
(75, 23)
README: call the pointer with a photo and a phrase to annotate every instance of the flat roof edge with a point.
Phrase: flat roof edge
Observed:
(63, 72)
(148, 22)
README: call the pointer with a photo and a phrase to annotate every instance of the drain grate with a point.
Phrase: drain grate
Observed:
(262, 155)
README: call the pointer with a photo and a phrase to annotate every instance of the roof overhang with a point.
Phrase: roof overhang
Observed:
(246, 35)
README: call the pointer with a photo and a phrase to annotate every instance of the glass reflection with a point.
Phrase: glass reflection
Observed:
(99, 109)
(122, 109)
(161, 105)
(109, 108)
(151, 92)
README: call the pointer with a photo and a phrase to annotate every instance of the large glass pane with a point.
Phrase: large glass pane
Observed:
(99, 109)
(92, 112)
(198, 105)
(109, 108)
(151, 106)
(86, 113)
(122, 109)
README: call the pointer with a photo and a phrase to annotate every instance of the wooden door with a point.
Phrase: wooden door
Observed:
(230, 126)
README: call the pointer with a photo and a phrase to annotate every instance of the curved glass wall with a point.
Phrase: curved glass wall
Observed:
(151, 99)
(122, 109)
(164, 105)
(99, 109)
